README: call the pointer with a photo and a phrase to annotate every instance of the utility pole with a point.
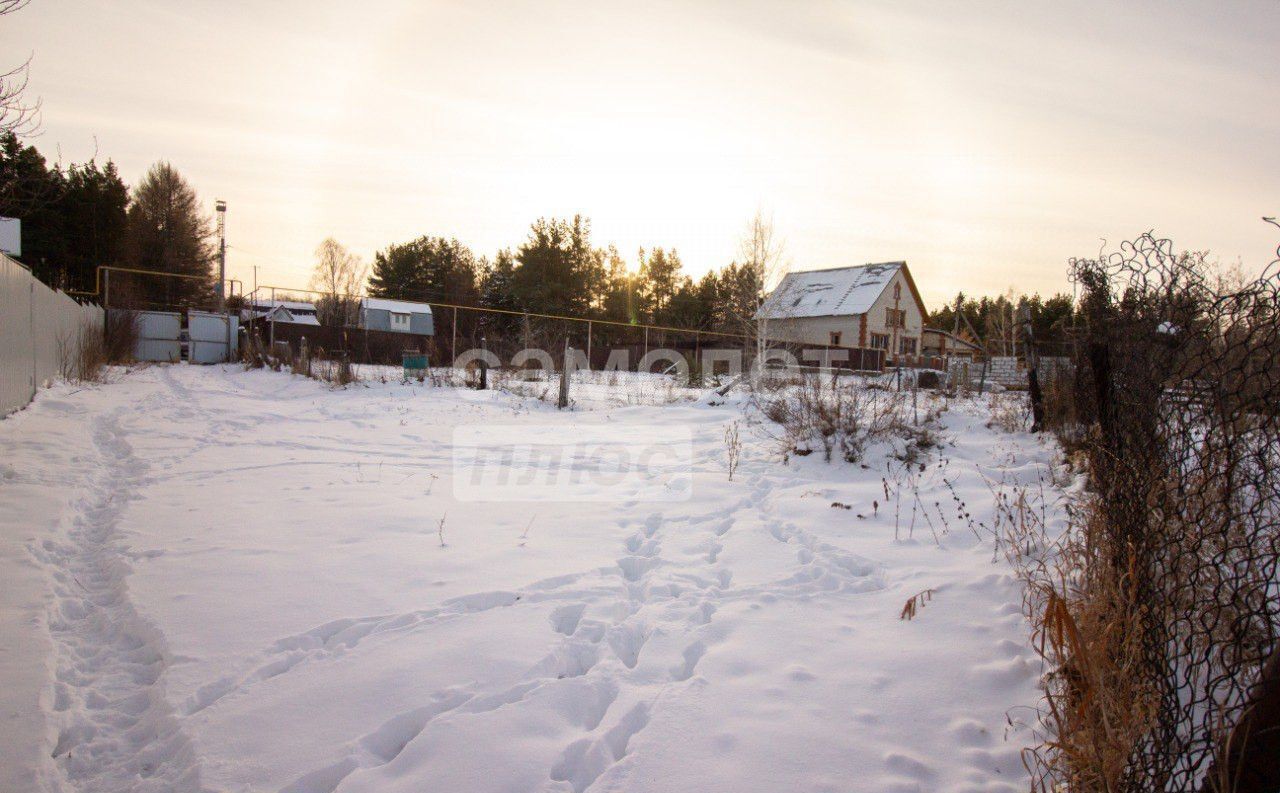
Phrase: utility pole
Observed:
(221, 207)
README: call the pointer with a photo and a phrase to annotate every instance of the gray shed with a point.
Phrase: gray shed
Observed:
(397, 316)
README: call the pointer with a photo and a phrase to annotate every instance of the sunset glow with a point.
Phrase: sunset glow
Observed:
(993, 139)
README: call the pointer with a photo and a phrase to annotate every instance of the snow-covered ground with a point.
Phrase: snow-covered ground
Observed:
(239, 585)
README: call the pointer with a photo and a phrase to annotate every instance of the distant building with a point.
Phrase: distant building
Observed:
(873, 306)
(942, 344)
(293, 312)
(399, 316)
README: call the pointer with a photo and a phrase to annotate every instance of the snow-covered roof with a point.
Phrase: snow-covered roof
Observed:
(282, 314)
(300, 319)
(292, 306)
(840, 291)
(398, 306)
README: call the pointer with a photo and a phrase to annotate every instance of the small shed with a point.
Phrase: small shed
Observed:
(941, 344)
(397, 316)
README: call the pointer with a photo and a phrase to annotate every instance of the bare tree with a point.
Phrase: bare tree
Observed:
(761, 255)
(17, 114)
(340, 275)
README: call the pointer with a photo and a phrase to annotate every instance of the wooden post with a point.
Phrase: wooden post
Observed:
(1033, 375)
(588, 344)
(453, 342)
(563, 401)
(646, 345)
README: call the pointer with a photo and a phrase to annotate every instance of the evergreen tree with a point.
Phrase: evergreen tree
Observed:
(559, 273)
(498, 290)
(168, 233)
(428, 269)
(29, 191)
(620, 303)
(660, 279)
(740, 290)
(93, 209)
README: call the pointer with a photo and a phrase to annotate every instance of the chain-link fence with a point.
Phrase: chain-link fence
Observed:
(1168, 673)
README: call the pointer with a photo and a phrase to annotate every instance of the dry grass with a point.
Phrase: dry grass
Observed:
(1009, 411)
(915, 603)
(83, 358)
(1085, 622)
(840, 416)
(733, 447)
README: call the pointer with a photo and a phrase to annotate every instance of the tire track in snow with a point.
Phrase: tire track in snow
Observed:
(116, 729)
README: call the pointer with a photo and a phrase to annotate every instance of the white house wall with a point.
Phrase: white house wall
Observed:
(814, 330)
(877, 317)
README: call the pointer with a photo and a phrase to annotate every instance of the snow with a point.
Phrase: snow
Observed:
(251, 581)
(840, 291)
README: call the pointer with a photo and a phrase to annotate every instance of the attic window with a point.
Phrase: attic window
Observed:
(399, 320)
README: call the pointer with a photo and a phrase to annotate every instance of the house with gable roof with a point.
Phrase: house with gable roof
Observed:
(874, 306)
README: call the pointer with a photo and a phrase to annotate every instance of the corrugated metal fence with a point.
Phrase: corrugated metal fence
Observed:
(38, 325)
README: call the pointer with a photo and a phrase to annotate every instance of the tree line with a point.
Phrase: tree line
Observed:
(558, 270)
(994, 322)
(81, 216)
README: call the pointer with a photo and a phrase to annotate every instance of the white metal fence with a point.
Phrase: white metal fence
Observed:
(38, 326)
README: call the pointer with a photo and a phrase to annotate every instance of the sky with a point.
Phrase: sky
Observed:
(985, 143)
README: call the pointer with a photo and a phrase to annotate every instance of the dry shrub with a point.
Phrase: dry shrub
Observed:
(335, 369)
(1009, 411)
(120, 336)
(83, 357)
(1098, 706)
(838, 415)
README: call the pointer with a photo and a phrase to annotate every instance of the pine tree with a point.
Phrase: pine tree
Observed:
(93, 209)
(499, 282)
(168, 233)
(660, 279)
(558, 272)
(428, 269)
(29, 191)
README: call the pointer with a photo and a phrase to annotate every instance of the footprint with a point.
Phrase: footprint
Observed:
(565, 619)
(905, 764)
(713, 552)
(584, 760)
(627, 640)
(571, 659)
(388, 741)
(692, 655)
(652, 524)
(633, 567)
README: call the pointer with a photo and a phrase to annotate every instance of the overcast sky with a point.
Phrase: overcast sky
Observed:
(985, 143)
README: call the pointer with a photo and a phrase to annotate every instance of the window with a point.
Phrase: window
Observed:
(895, 318)
(835, 338)
(399, 321)
(907, 346)
(880, 341)
(897, 291)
